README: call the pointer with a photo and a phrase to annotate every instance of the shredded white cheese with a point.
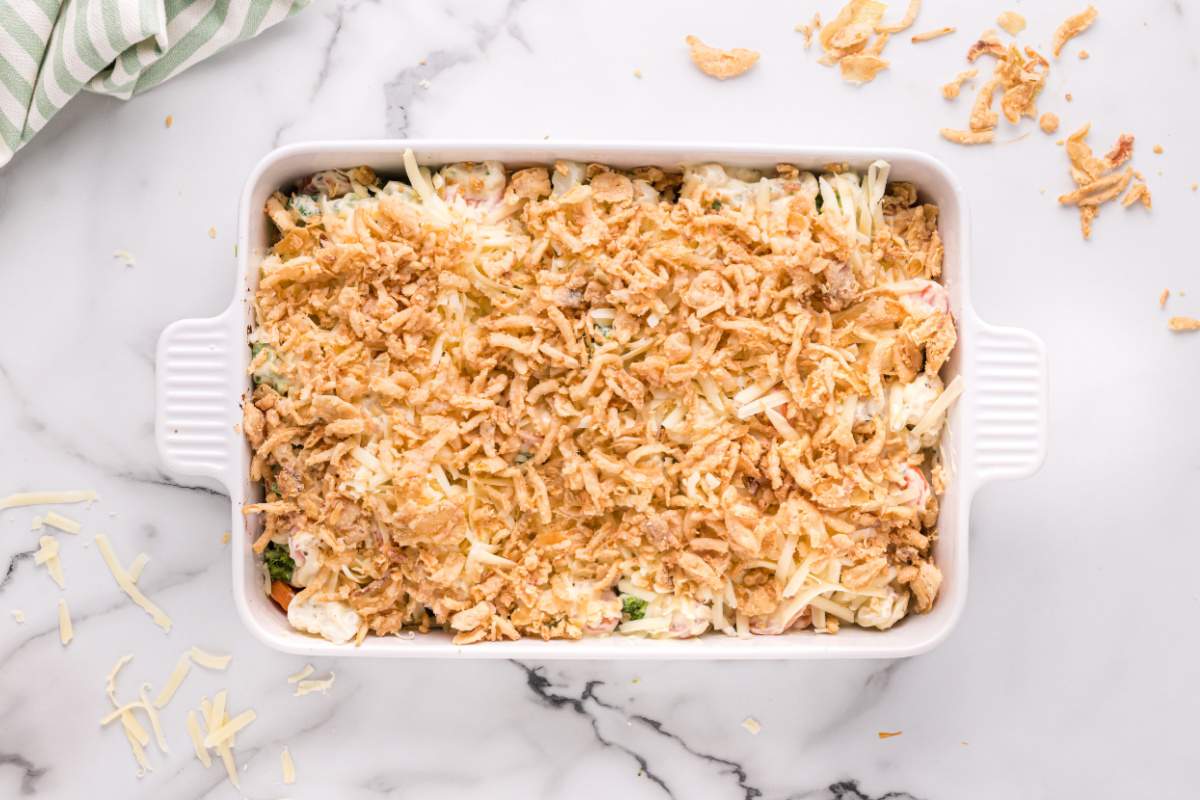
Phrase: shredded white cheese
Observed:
(289, 767)
(751, 724)
(939, 407)
(152, 713)
(136, 566)
(37, 523)
(123, 580)
(318, 685)
(224, 733)
(66, 632)
(209, 660)
(136, 743)
(110, 685)
(18, 615)
(302, 674)
(182, 667)
(47, 498)
(198, 740)
(48, 555)
(65, 524)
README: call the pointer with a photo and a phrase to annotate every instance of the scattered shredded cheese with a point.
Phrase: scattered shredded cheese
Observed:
(752, 725)
(65, 524)
(48, 555)
(939, 407)
(209, 660)
(302, 674)
(136, 566)
(66, 631)
(135, 743)
(225, 731)
(198, 740)
(47, 498)
(37, 523)
(127, 585)
(289, 767)
(18, 615)
(318, 685)
(182, 667)
(110, 685)
(152, 713)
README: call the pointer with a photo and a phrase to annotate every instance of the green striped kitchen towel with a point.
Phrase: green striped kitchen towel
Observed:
(51, 49)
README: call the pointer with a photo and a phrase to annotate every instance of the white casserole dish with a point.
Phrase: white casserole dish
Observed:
(996, 430)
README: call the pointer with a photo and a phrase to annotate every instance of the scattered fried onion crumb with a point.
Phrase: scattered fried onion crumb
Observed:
(1048, 122)
(848, 37)
(1096, 178)
(66, 631)
(752, 725)
(289, 767)
(1158, 149)
(225, 537)
(212, 233)
(48, 554)
(889, 734)
(809, 29)
(1184, 324)
(910, 16)
(1072, 27)
(637, 73)
(1084, 55)
(720, 64)
(952, 89)
(1012, 22)
(1019, 78)
(169, 121)
(1139, 192)
(968, 137)
(1162, 298)
(928, 36)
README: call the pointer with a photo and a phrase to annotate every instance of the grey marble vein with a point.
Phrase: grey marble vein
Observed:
(30, 773)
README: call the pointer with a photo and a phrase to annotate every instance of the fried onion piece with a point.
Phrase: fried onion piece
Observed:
(951, 90)
(968, 137)
(851, 30)
(905, 22)
(1072, 27)
(720, 64)
(809, 29)
(987, 44)
(860, 69)
(1098, 191)
(933, 34)
(1184, 324)
(982, 116)
(1012, 22)
(1048, 122)
(1139, 192)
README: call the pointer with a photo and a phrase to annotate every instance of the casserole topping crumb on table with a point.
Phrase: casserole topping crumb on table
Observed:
(571, 401)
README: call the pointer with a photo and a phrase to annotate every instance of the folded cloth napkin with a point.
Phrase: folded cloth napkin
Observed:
(51, 49)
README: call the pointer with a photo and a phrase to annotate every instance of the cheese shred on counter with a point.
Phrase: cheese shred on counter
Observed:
(579, 401)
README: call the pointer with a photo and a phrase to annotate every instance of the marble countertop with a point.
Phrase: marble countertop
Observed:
(1073, 670)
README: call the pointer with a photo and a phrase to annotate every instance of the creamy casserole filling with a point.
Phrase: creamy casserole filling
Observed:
(578, 401)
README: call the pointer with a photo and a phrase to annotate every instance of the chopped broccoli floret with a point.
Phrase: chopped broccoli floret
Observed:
(633, 607)
(523, 456)
(279, 562)
(820, 201)
(716, 205)
(268, 373)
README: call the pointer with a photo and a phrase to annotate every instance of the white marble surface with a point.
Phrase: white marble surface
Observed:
(1073, 671)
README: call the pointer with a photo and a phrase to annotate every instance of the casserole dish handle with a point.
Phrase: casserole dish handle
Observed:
(197, 422)
(1007, 406)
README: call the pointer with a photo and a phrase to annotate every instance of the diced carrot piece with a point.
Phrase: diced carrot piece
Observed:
(282, 594)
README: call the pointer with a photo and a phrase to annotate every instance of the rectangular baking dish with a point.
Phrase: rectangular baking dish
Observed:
(996, 430)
